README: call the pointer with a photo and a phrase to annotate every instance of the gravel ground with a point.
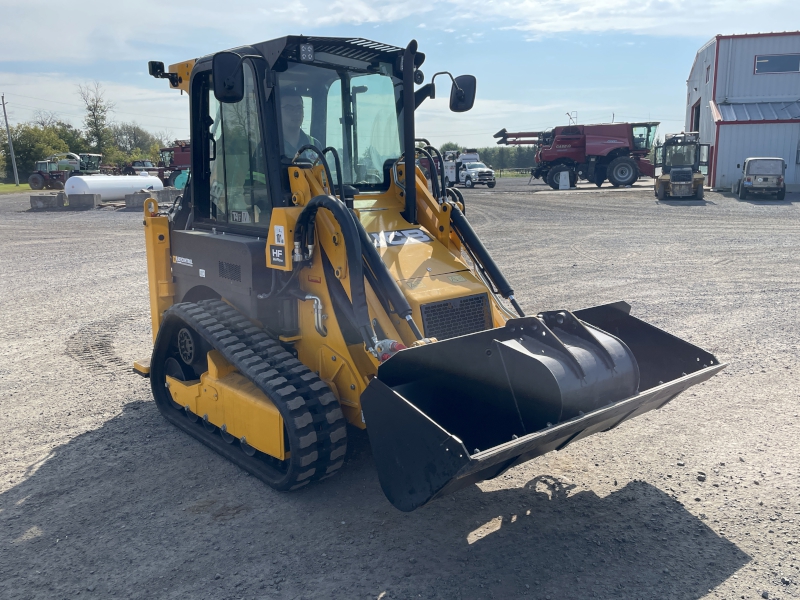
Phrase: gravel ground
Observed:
(100, 496)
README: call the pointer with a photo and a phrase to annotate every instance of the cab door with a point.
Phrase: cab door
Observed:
(705, 154)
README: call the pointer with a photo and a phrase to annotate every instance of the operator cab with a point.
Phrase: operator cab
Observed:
(681, 151)
(273, 99)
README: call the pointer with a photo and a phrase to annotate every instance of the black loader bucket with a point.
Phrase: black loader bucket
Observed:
(446, 415)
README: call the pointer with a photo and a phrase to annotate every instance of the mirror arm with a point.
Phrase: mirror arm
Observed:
(228, 83)
(426, 91)
(455, 85)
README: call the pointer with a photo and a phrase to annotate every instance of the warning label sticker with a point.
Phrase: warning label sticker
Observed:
(280, 239)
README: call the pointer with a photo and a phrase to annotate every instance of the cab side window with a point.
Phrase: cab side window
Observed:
(238, 172)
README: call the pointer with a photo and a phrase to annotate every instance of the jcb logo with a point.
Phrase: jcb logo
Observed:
(384, 239)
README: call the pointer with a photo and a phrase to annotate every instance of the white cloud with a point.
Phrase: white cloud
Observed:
(154, 108)
(131, 32)
(672, 18)
(122, 32)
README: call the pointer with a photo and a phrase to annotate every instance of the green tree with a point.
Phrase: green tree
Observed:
(32, 143)
(72, 136)
(449, 146)
(130, 136)
(96, 122)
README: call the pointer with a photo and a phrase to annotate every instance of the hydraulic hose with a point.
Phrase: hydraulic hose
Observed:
(337, 163)
(468, 236)
(434, 173)
(321, 156)
(353, 250)
(443, 188)
(456, 195)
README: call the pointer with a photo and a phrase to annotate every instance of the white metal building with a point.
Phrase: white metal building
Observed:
(743, 96)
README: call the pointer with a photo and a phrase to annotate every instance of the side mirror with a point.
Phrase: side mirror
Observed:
(155, 68)
(738, 166)
(226, 69)
(462, 93)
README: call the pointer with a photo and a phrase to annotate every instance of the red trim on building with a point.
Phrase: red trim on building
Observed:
(752, 35)
(716, 154)
(716, 123)
(761, 122)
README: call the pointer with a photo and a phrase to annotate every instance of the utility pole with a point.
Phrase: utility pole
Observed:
(10, 143)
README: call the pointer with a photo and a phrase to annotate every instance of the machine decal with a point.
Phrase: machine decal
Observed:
(279, 237)
(182, 261)
(384, 239)
(202, 272)
(277, 256)
(240, 216)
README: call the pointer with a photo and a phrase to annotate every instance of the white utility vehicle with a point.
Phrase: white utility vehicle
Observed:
(467, 169)
(761, 175)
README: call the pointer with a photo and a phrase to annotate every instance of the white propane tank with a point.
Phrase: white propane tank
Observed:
(112, 187)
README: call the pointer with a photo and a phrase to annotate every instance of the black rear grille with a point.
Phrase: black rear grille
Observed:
(459, 316)
(230, 271)
(680, 175)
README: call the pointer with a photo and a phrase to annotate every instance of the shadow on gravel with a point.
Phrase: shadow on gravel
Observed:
(138, 509)
(764, 200)
(686, 202)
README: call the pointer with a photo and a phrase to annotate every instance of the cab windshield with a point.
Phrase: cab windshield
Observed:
(679, 156)
(91, 163)
(643, 136)
(355, 113)
(476, 166)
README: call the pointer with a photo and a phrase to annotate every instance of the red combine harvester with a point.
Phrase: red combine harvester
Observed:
(172, 168)
(613, 151)
(175, 161)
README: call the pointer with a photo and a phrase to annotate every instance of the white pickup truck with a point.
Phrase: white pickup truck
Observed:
(467, 169)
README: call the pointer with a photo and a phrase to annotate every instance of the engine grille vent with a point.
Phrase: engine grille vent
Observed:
(680, 175)
(230, 271)
(459, 316)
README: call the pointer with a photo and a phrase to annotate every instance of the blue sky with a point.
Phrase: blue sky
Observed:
(535, 60)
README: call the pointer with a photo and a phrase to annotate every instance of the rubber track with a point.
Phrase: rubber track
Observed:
(312, 415)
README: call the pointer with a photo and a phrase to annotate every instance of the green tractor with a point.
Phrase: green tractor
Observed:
(680, 157)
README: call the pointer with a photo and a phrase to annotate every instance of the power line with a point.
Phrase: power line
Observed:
(81, 106)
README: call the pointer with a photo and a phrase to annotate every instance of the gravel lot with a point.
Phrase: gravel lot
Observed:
(100, 496)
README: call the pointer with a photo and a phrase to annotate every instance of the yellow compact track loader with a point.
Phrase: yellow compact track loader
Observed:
(311, 277)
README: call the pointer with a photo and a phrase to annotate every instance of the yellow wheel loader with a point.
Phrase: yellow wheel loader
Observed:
(680, 157)
(311, 279)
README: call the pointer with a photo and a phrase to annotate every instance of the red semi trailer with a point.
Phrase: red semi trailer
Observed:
(613, 151)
